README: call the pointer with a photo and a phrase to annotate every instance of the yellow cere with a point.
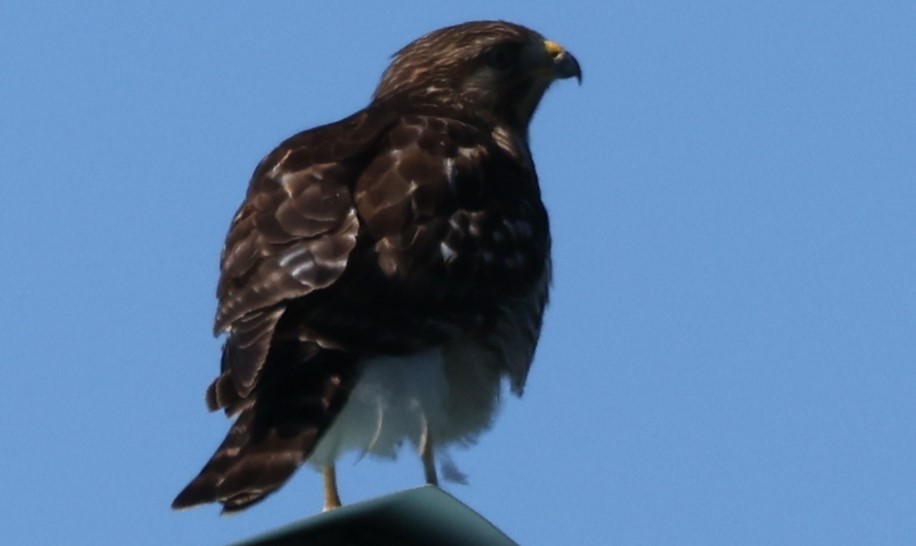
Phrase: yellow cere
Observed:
(553, 48)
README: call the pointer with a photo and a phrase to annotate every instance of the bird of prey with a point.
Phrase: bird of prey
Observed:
(386, 272)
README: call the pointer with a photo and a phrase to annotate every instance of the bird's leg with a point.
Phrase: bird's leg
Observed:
(426, 454)
(331, 497)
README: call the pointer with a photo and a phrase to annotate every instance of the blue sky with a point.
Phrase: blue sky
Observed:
(730, 353)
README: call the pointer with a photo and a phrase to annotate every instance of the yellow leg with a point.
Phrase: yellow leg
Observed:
(331, 497)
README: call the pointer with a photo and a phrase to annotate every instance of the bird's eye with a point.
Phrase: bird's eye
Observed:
(499, 58)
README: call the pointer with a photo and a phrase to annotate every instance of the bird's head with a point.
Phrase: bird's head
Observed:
(491, 69)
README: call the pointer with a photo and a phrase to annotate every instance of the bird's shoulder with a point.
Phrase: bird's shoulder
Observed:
(296, 226)
(408, 181)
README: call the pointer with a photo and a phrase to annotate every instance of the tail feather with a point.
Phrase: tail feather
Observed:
(204, 488)
(282, 421)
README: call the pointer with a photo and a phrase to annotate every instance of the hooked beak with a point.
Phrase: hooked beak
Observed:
(564, 64)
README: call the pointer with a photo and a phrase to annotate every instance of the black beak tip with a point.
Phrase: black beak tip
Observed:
(568, 67)
(577, 69)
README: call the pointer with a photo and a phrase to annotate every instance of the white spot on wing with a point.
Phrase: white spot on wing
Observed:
(448, 253)
(292, 255)
(454, 223)
(272, 173)
(450, 172)
(306, 266)
(474, 230)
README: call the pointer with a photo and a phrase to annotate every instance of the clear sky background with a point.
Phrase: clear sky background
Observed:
(730, 353)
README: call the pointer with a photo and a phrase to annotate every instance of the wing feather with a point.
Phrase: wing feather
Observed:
(364, 238)
(292, 235)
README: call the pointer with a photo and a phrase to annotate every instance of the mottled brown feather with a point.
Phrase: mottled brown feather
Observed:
(409, 224)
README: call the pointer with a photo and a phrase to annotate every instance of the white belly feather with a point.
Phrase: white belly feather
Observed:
(394, 399)
(443, 395)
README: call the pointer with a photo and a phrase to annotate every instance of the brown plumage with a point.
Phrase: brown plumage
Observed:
(386, 271)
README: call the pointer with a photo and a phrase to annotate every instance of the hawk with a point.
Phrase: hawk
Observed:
(386, 272)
